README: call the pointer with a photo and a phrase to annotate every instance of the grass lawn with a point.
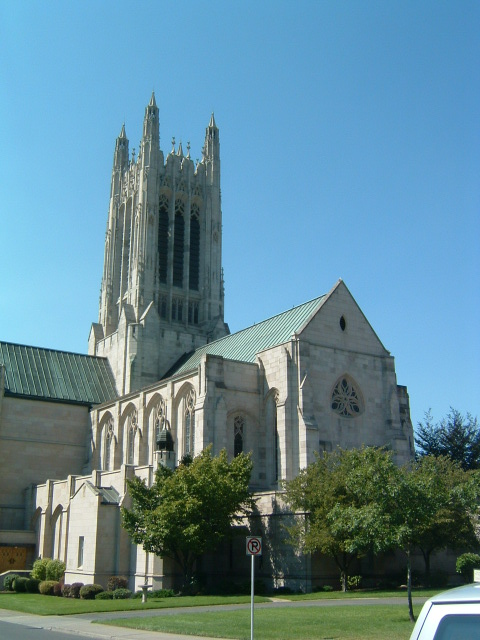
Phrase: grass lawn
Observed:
(375, 622)
(52, 606)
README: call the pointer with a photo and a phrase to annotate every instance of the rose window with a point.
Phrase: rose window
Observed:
(345, 399)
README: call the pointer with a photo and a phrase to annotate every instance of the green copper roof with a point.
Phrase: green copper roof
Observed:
(244, 345)
(46, 374)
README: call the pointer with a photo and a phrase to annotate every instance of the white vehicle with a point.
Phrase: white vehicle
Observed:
(451, 615)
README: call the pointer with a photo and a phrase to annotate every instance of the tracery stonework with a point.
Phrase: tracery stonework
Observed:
(345, 399)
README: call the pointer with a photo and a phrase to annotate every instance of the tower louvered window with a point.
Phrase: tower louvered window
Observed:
(194, 275)
(178, 244)
(163, 239)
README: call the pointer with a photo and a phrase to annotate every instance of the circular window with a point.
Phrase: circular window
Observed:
(345, 399)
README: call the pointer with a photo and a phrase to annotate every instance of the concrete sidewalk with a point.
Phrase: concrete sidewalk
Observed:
(79, 625)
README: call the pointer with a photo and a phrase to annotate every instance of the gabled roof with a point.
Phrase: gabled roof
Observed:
(45, 374)
(245, 344)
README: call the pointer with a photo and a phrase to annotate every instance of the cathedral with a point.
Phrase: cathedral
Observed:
(164, 377)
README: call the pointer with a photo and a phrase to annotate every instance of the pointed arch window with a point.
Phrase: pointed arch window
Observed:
(273, 437)
(194, 273)
(189, 417)
(238, 435)
(131, 434)
(276, 438)
(346, 398)
(108, 457)
(163, 239)
(160, 418)
(178, 244)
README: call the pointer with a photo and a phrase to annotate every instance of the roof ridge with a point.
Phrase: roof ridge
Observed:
(32, 346)
(245, 344)
(257, 324)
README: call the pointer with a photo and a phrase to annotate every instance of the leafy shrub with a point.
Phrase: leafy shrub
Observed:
(465, 565)
(327, 588)
(158, 593)
(66, 590)
(46, 587)
(75, 589)
(122, 594)
(104, 595)
(55, 570)
(117, 582)
(57, 589)
(20, 584)
(9, 580)
(39, 570)
(354, 582)
(31, 585)
(89, 591)
(162, 593)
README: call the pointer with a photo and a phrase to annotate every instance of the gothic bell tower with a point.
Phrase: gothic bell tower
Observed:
(162, 291)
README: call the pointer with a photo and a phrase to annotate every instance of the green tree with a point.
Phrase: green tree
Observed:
(343, 503)
(428, 502)
(452, 494)
(456, 436)
(191, 509)
(465, 565)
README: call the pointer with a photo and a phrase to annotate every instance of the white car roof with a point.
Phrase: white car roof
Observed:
(467, 593)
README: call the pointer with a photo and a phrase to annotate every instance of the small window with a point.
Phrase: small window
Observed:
(81, 545)
(343, 323)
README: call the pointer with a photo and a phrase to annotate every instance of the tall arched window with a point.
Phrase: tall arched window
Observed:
(194, 274)
(160, 417)
(162, 239)
(189, 417)
(108, 456)
(178, 244)
(277, 441)
(238, 434)
(273, 437)
(131, 433)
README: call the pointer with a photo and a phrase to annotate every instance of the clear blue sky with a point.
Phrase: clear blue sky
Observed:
(350, 148)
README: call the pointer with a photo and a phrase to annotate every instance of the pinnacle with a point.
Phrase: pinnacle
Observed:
(122, 132)
(212, 121)
(152, 102)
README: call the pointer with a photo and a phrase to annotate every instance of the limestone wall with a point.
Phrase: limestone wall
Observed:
(39, 440)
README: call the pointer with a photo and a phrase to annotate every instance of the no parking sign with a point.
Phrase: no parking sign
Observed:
(254, 546)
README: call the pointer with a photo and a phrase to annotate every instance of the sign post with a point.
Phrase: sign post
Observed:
(254, 548)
